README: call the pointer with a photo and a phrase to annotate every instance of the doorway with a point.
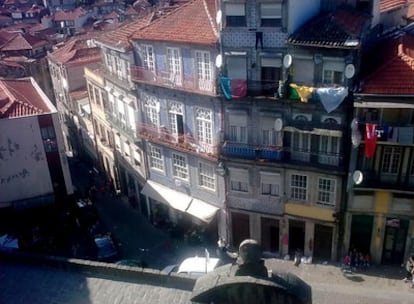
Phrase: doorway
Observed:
(323, 242)
(270, 234)
(240, 226)
(394, 241)
(296, 236)
(361, 233)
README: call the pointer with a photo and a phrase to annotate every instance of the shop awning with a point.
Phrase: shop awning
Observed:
(202, 210)
(175, 199)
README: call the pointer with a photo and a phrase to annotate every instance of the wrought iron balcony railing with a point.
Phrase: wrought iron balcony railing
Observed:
(248, 151)
(120, 126)
(183, 142)
(176, 81)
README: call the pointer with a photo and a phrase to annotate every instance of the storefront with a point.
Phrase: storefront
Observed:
(394, 240)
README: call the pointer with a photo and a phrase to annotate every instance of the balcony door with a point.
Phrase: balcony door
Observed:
(176, 115)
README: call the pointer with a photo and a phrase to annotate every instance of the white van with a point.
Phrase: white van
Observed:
(194, 266)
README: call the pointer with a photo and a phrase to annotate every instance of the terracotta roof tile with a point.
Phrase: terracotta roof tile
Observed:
(410, 12)
(396, 75)
(120, 37)
(76, 51)
(386, 5)
(339, 29)
(193, 22)
(70, 15)
(23, 42)
(19, 97)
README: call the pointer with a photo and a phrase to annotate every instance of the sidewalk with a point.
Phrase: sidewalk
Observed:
(376, 276)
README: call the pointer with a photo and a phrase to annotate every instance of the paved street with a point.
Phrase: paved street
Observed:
(21, 283)
(135, 237)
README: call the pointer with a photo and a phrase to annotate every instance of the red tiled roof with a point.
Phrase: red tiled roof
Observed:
(339, 29)
(23, 42)
(386, 5)
(19, 97)
(70, 15)
(410, 12)
(193, 22)
(396, 75)
(76, 51)
(120, 37)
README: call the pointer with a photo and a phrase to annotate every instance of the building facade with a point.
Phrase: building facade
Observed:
(34, 168)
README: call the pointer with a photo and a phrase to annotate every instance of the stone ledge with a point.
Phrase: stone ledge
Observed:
(118, 272)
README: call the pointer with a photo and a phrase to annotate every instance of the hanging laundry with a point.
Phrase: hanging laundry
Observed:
(233, 88)
(293, 93)
(370, 140)
(303, 92)
(331, 98)
(405, 135)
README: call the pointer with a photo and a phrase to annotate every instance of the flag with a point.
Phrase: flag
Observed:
(370, 140)
(233, 88)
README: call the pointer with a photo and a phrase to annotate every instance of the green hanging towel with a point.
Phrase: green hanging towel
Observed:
(293, 93)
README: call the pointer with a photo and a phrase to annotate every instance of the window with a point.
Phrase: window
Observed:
(235, 14)
(268, 135)
(156, 158)
(204, 119)
(239, 180)
(206, 176)
(238, 127)
(298, 187)
(326, 192)
(391, 160)
(152, 112)
(176, 114)
(271, 69)
(204, 70)
(174, 66)
(271, 14)
(237, 67)
(328, 144)
(300, 142)
(137, 157)
(270, 184)
(49, 139)
(333, 72)
(148, 54)
(180, 168)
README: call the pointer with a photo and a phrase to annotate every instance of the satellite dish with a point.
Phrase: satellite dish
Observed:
(218, 17)
(287, 61)
(356, 138)
(349, 71)
(354, 124)
(219, 61)
(278, 124)
(357, 177)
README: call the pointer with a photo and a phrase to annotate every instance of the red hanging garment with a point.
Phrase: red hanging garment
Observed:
(370, 140)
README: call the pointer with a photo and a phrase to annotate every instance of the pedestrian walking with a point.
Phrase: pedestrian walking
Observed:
(409, 267)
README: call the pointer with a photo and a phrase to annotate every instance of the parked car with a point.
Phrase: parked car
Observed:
(106, 250)
(194, 266)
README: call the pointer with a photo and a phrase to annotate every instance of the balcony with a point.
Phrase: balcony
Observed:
(177, 82)
(119, 125)
(379, 180)
(263, 88)
(247, 151)
(184, 143)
